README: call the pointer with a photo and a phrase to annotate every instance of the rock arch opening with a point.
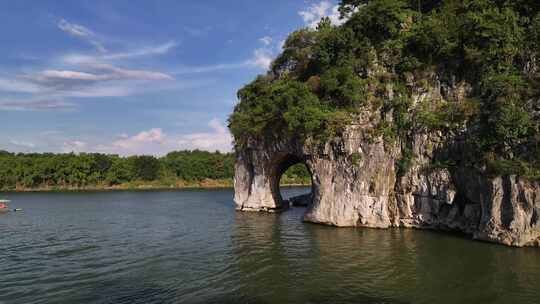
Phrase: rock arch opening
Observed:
(291, 170)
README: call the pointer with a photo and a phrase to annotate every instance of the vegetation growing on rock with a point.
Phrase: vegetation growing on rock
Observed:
(389, 50)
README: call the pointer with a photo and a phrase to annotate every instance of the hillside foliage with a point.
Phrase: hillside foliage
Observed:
(326, 76)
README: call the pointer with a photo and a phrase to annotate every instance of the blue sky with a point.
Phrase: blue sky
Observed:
(132, 76)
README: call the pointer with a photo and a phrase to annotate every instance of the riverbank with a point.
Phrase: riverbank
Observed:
(147, 185)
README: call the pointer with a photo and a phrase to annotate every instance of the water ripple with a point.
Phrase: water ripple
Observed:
(192, 247)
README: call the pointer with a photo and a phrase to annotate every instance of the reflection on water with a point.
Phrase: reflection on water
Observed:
(192, 247)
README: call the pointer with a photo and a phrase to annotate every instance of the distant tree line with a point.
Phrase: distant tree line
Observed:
(49, 170)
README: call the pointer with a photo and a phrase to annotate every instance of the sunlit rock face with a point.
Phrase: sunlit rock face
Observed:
(356, 182)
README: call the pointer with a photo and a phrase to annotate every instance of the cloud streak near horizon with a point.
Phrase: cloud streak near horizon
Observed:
(157, 142)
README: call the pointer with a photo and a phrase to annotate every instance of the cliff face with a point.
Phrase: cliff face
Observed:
(356, 182)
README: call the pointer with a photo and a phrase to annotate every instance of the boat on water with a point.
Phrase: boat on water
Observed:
(4, 206)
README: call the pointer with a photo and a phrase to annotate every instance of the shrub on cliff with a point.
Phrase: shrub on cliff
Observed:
(325, 76)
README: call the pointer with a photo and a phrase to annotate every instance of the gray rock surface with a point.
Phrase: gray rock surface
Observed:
(356, 183)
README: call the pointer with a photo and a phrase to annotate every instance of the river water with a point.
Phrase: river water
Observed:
(192, 247)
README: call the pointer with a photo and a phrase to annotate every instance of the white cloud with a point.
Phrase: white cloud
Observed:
(96, 75)
(262, 58)
(24, 144)
(266, 40)
(78, 59)
(314, 13)
(74, 29)
(219, 139)
(51, 85)
(150, 142)
(144, 51)
(81, 32)
(53, 74)
(90, 80)
(152, 136)
(154, 141)
(84, 75)
(108, 72)
(75, 146)
(152, 50)
(335, 16)
(116, 73)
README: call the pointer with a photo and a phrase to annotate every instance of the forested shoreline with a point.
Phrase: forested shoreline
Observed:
(93, 171)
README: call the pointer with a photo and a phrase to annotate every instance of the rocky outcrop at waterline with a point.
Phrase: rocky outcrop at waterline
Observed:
(369, 193)
(407, 115)
(356, 182)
